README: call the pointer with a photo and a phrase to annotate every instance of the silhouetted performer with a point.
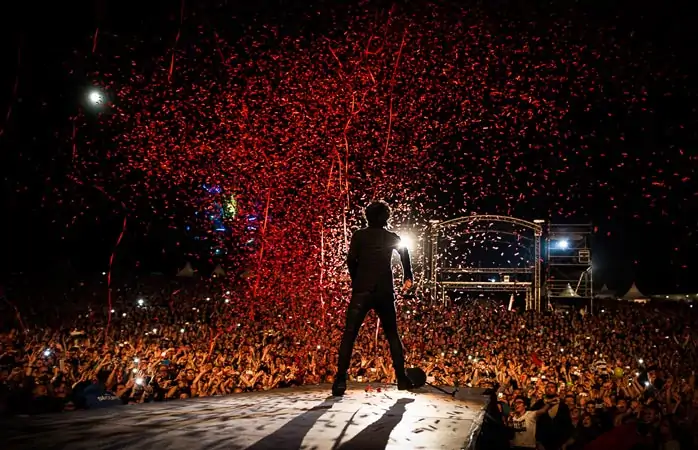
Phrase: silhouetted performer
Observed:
(369, 258)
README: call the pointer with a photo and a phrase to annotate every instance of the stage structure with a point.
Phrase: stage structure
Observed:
(568, 263)
(441, 276)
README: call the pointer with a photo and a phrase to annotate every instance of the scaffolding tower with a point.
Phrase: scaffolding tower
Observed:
(568, 263)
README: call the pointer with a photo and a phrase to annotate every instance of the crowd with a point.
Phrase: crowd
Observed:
(564, 379)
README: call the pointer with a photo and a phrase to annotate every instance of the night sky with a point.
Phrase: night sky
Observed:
(574, 112)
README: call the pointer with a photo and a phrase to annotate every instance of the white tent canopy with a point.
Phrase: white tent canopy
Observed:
(218, 271)
(568, 292)
(605, 292)
(634, 294)
(187, 271)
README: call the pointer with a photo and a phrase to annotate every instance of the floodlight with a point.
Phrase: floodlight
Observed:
(96, 97)
(406, 242)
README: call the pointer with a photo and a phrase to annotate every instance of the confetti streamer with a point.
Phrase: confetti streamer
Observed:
(109, 277)
(392, 85)
(15, 87)
(94, 40)
(17, 314)
(260, 259)
(179, 33)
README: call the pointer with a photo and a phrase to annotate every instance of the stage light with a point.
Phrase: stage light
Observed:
(96, 97)
(406, 242)
(563, 244)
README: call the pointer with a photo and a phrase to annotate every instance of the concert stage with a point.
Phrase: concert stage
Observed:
(306, 417)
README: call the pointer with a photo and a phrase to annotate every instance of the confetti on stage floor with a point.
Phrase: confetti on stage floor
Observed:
(306, 417)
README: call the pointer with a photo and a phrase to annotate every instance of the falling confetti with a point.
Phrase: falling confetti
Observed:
(440, 111)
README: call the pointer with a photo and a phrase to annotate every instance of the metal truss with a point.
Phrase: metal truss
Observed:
(485, 287)
(571, 265)
(489, 218)
(436, 285)
(494, 270)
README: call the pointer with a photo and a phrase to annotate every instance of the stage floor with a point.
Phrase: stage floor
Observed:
(306, 417)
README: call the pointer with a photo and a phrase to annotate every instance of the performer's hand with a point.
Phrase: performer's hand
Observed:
(406, 286)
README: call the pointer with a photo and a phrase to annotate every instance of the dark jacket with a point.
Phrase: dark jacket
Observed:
(369, 257)
(553, 432)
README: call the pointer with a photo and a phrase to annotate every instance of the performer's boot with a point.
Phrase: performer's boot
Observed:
(404, 383)
(340, 384)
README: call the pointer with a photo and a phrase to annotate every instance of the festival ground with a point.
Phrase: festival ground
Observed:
(305, 417)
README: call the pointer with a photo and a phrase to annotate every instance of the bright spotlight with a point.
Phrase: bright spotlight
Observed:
(96, 98)
(406, 242)
(563, 244)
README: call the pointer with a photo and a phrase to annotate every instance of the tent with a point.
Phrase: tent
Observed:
(218, 271)
(605, 292)
(568, 292)
(187, 271)
(634, 294)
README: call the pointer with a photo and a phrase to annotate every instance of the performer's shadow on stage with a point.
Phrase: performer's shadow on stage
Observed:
(291, 435)
(374, 436)
(377, 434)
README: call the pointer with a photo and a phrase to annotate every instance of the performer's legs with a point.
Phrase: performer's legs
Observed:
(385, 308)
(356, 313)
